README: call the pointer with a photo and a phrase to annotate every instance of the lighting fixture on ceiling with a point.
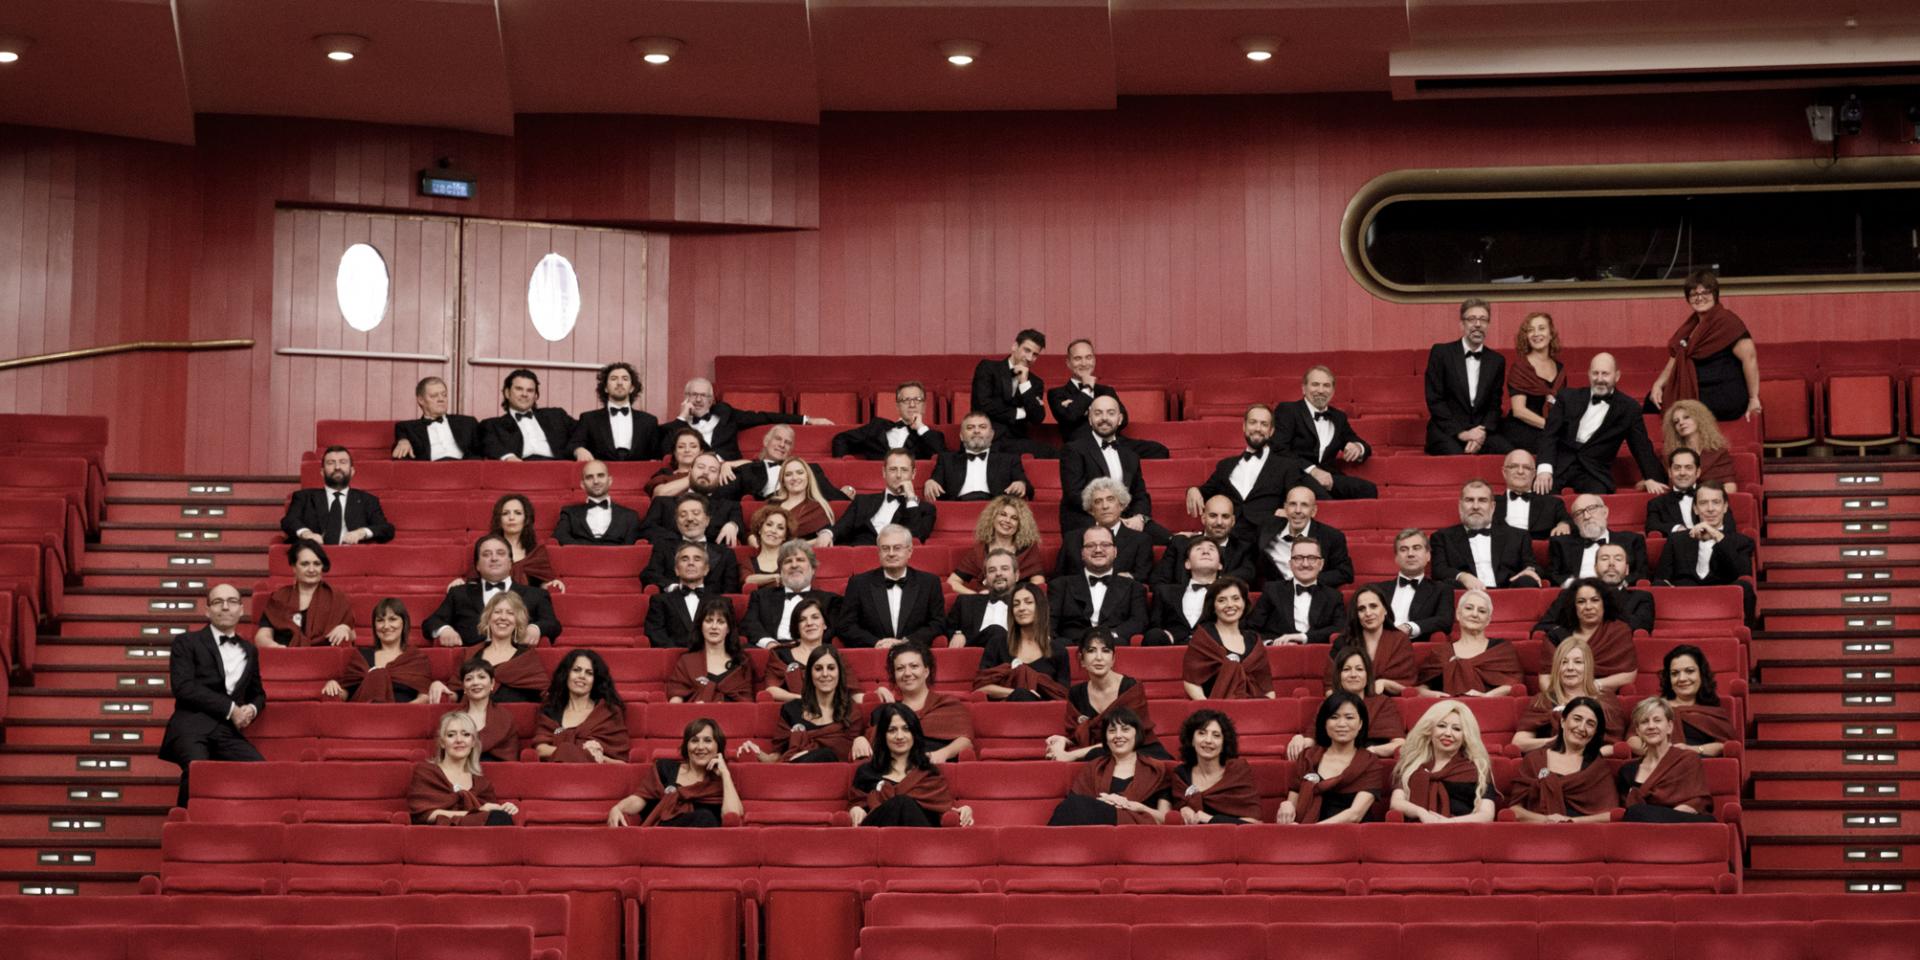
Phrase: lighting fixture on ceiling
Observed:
(11, 47)
(961, 52)
(341, 47)
(656, 50)
(1260, 49)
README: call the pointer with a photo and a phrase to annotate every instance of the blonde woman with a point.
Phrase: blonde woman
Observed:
(1444, 774)
(1570, 677)
(503, 645)
(1007, 522)
(449, 790)
(809, 515)
(1688, 423)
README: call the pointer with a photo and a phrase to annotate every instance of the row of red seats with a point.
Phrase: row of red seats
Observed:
(40, 437)
(247, 941)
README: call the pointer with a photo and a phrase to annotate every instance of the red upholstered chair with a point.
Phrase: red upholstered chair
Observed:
(1863, 411)
(1891, 939)
(1368, 939)
(1482, 941)
(1747, 940)
(971, 942)
(1009, 792)
(443, 861)
(368, 439)
(243, 792)
(1229, 399)
(840, 407)
(1789, 411)
(223, 858)
(788, 793)
(1178, 941)
(802, 924)
(1590, 940)
(1014, 731)
(333, 942)
(1047, 941)
(201, 943)
(1144, 406)
(65, 943)
(694, 924)
(358, 858)
(463, 942)
(545, 796)
(764, 401)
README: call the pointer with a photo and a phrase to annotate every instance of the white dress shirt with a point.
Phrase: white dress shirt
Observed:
(976, 481)
(1473, 372)
(1246, 472)
(705, 425)
(621, 426)
(1590, 421)
(233, 661)
(1324, 428)
(784, 629)
(894, 595)
(440, 443)
(1685, 501)
(1111, 455)
(1482, 549)
(773, 480)
(1302, 604)
(1020, 388)
(995, 615)
(533, 440)
(487, 593)
(1402, 602)
(344, 496)
(897, 435)
(1098, 591)
(599, 520)
(1281, 549)
(1519, 512)
(1193, 602)
(888, 508)
(1705, 560)
(1587, 555)
(690, 595)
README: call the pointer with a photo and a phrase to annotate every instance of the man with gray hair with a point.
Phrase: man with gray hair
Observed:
(1105, 501)
(1321, 435)
(893, 603)
(718, 423)
(1477, 554)
(769, 619)
(760, 477)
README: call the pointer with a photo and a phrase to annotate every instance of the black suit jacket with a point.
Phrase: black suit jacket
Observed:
(1732, 559)
(623, 528)
(1236, 560)
(854, 528)
(307, 509)
(1081, 463)
(1544, 512)
(1281, 472)
(750, 480)
(1623, 424)
(864, 618)
(1132, 553)
(764, 605)
(659, 523)
(1635, 606)
(1070, 603)
(1336, 572)
(1003, 468)
(668, 623)
(1293, 432)
(1069, 405)
(727, 425)
(461, 609)
(500, 436)
(1431, 609)
(1663, 516)
(1326, 614)
(593, 432)
(1169, 613)
(1449, 412)
(723, 570)
(466, 436)
(965, 616)
(869, 441)
(1512, 553)
(200, 700)
(993, 395)
(1563, 556)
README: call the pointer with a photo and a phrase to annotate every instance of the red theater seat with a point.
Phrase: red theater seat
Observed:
(839, 407)
(972, 942)
(1482, 941)
(764, 401)
(1224, 941)
(1863, 411)
(1747, 940)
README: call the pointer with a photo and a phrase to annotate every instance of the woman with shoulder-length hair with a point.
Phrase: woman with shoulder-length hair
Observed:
(899, 786)
(1006, 523)
(1667, 784)
(1224, 660)
(390, 671)
(1533, 379)
(1336, 780)
(449, 790)
(1566, 781)
(718, 670)
(1213, 784)
(1444, 774)
(513, 521)
(693, 791)
(1027, 662)
(1120, 787)
(1569, 678)
(809, 513)
(1689, 424)
(824, 724)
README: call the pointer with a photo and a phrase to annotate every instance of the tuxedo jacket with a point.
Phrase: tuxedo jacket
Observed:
(668, 623)
(1336, 572)
(500, 436)
(1069, 404)
(658, 524)
(461, 609)
(200, 700)
(992, 394)
(1594, 459)
(1732, 559)
(863, 618)
(869, 442)
(723, 569)
(750, 480)
(1663, 515)
(1326, 614)
(1544, 512)
(1003, 468)
(1168, 611)
(1563, 556)
(1236, 560)
(765, 605)
(572, 529)
(1449, 412)
(854, 528)
(1081, 463)
(1132, 553)
(1123, 610)
(307, 509)
(1293, 432)
(1512, 553)
(593, 432)
(1431, 609)
(1635, 607)
(466, 436)
(965, 616)
(727, 424)
(1281, 472)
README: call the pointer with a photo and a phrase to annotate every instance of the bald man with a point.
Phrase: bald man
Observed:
(719, 424)
(1541, 515)
(1585, 428)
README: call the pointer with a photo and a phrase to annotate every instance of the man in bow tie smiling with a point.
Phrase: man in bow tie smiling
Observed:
(1541, 515)
(1305, 611)
(1477, 554)
(1098, 597)
(216, 689)
(1256, 479)
(1316, 432)
(618, 430)
(1571, 557)
(1464, 380)
(893, 604)
(910, 431)
(525, 430)
(437, 434)
(769, 619)
(719, 423)
(1421, 607)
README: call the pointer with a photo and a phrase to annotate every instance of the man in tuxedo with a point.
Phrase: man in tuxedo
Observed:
(1475, 554)
(1541, 515)
(1571, 557)
(599, 521)
(1234, 557)
(910, 433)
(1307, 611)
(1102, 454)
(720, 502)
(1105, 500)
(872, 513)
(976, 618)
(693, 522)
(1465, 379)
(1610, 566)
(1071, 400)
(1274, 545)
(1096, 597)
(670, 612)
(1671, 513)
(769, 619)
(1011, 395)
(977, 471)
(1314, 431)
(1585, 428)
(759, 478)
(525, 430)
(216, 689)
(719, 424)
(1177, 607)
(335, 513)
(437, 434)
(617, 430)
(1421, 607)
(1256, 480)
(893, 604)
(457, 621)
(1710, 553)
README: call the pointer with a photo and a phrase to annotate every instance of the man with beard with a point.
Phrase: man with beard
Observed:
(599, 521)
(1475, 554)
(1585, 428)
(618, 430)
(693, 522)
(1105, 500)
(1571, 557)
(1464, 381)
(1256, 480)
(723, 506)
(769, 619)
(1671, 513)
(336, 513)
(976, 471)
(1235, 557)
(978, 617)
(525, 430)
(1101, 454)
(1610, 565)
(1071, 400)
(760, 478)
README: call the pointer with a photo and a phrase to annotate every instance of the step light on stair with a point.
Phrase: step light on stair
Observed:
(1858, 480)
(65, 858)
(169, 606)
(202, 584)
(1876, 886)
(1846, 553)
(139, 683)
(1884, 790)
(1869, 575)
(1874, 504)
(1870, 821)
(113, 736)
(1867, 647)
(162, 653)
(102, 763)
(75, 824)
(213, 535)
(222, 511)
(1844, 598)
(1869, 732)
(224, 489)
(48, 890)
(1873, 854)
(1859, 700)
(1847, 676)
(112, 795)
(1869, 623)
(208, 561)
(1868, 526)
(126, 706)
(155, 630)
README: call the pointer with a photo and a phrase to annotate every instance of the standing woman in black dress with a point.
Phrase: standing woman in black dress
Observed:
(1710, 358)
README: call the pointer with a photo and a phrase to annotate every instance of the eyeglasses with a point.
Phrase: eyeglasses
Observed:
(1589, 511)
(1308, 560)
(234, 602)
(1700, 295)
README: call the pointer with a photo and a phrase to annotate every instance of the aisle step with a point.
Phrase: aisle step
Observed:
(1848, 477)
(159, 626)
(1825, 853)
(1841, 729)
(40, 883)
(1843, 622)
(130, 652)
(1858, 572)
(1768, 647)
(1828, 882)
(85, 707)
(79, 794)
(1839, 598)
(1849, 757)
(1839, 672)
(157, 486)
(256, 536)
(94, 601)
(192, 584)
(205, 511)
(67, 763)
(143, 679)
(186, 560)
(1860, 700)
(1829, 818)
(100, 855)
(1794, 503)
(1865, 785)
(1835, 550)
(70, 825)
(105, 732)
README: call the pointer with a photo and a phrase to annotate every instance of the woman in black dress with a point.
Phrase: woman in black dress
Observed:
(898, 786)
(1120, 787)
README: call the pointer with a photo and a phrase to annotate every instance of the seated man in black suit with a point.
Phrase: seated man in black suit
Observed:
(1465, 380)
(722, 504)
(1571, 557)
(1671, 513)
(1610, 566)
(769, 619)
(1177, 607)
(976, 618)
(1096, 597)
(1418, 605)
(892, 604)
(1235, 557)
(1256, 480)
(1314, 431)
(1101, 453)
(693, 522)
(1071, 400)
(457, 621)
(1307, 611)
(1273, 548)
(1710, 553)
(871, 513)
(1476, 554)
(977, 471)
(1106, 501)
(758, 478)
(910, 433)
(616, 430)
(335, 513)
(719, 424)
(1011, 395)
(599, 521)
(1542, 515)
(670, 612)
(216, 689)
(525, 430)
(1585, 428)
(437, 434)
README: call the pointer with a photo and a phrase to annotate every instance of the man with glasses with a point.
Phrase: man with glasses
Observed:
(910, 432)
(1571, 557)
(216, 689)
(1542, 515)
(1305, 611)
(718, 423)
(1465, 379)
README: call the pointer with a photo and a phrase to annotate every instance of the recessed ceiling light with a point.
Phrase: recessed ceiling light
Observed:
(11, 47)
(341, 47)
(961, 52)
(656, 50)
(1259, 49)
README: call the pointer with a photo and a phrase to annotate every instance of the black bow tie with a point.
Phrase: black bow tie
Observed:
(1479, 533)
(1106, 444)
(900, 425)
(618, 411)
(1084, 388)
(1194, 586)
(790, 595)
(896, 498)
(599, 505)
(683, 588)
(1253, 453)
(1319, 414)
(1473, 354)
(976, 458)
(1596, 541)
(233, 639)
(1098, 580)
(436, 419)
(1513, 497)
(893, 584)
(699, 420)
(1409, 584)
(1301, 589)
(1683, 494)
(490, 585)
(1287, 538)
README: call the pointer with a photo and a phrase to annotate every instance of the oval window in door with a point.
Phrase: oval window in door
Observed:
(553, 297)
(361, 287)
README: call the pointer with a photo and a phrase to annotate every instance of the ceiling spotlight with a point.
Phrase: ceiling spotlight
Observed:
(961, 52)
(11, 47)
(656, 50)
(1260, 49)
(341, 47)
